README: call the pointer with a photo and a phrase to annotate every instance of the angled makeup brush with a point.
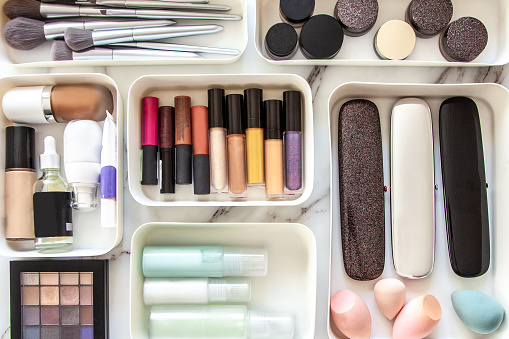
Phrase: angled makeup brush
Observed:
(148, 4)
(38, 10)
(60, 51)
(80, 39)
(25, 33)
(178, 47)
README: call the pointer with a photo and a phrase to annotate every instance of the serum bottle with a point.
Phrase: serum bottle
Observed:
(52, 202)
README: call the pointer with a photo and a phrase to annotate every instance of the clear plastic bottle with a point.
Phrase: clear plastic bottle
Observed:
(52, 202)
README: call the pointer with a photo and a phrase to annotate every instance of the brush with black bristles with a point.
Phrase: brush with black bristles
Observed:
(38, 10)
(80, 39)
(60, 51)
(25, 33)
(147, 4)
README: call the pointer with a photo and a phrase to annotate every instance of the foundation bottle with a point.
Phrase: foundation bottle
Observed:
(254, 136)
(217, 140)
(274, 184)
(19, 181)
(236, 147)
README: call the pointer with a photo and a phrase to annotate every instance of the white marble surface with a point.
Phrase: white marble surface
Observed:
(314, 213)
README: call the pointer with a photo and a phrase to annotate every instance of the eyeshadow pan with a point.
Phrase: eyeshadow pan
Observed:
(86, 278)
(31, 332)
(30, 278)
(70, 315)
(70, 332)
(71, 278)
(86, 315)
(50, 332)
(85, 295)
(30, 295)
(69, 295)
(30, 315)
(87, 332)
(50, 315)
(49, 295)
(50, 278)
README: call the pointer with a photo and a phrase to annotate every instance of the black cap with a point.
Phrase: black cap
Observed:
(19, 147)
(292, 110)
(281, 41)
(217, 115)
(253, 98)
(296, 12)
(234, 113)
(201, 173)
(273, 109)
(321, 37)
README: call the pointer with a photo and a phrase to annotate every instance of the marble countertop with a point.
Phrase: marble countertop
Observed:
(314, 213)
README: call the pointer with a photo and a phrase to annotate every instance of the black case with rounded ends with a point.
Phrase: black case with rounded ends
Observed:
(361, 189)
(464, 184)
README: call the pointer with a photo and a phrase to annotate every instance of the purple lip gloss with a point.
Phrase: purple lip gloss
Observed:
(292, 140)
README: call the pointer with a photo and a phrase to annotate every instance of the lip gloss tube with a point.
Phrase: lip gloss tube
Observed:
(201, 164)
(254, 135)
(149, 122)
(167, 148)
(217, 140)
(274, 185)
(183, 147)
(292, 137)
(236, 147)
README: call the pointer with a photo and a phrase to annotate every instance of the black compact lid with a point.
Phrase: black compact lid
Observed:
(273, 109)
(292, 110)
(19, 147)
(253, 98)
(281, 41)
(321, 37)
(217, 114)
(296, 11)
(234, 113)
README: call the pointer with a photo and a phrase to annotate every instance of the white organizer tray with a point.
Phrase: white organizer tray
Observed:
(166, 87)
(288, 287)
(90, 239)
(493, 103)
(358, 51)
(233, 36)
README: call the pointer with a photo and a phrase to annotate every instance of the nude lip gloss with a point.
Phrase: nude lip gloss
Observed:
(183, 148)
(254, 135)
(274, 186)
(236, 147)
(293, 140)
(149, 140)
(217, 139)
(201, 164)
(167, 148)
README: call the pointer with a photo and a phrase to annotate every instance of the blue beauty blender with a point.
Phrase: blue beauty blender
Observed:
(479, 312)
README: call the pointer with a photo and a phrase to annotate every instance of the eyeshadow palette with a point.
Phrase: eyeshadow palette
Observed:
(59, 299)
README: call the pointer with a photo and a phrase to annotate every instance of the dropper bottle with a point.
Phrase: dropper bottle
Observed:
(52, 202)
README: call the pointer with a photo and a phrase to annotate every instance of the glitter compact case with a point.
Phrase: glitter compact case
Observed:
(65, 299)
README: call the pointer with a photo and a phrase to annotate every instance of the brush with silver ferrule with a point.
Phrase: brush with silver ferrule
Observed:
(80, 39)
(158, 4)
(25, 33)
(60, 51)
(90, 2)
(38, 10)
(178, 47)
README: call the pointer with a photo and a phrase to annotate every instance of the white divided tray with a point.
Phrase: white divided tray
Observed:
(288, 287)
(166, 87)
(90, 239)
(233, 36)
(493, 104)
(359, 51)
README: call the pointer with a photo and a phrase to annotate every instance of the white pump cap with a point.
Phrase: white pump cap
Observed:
(270, 326)
(28, 105)
(50, 158)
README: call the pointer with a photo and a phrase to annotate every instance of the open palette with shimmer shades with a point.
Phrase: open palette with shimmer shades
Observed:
(59, 299)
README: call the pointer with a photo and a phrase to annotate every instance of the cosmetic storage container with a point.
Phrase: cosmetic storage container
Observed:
(275, 293)
(167, 87)
(90, 236)
(492, 102)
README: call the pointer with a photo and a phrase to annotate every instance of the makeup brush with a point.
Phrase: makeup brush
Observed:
(76, 2)
(178, 47)
(38, 10)
(25, 33)
(148, 4)
(60, 51)
(80, 39)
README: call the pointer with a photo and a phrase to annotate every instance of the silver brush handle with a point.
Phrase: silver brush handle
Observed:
(130, 54)
(161, 4)
(55, 30)
(178, 47)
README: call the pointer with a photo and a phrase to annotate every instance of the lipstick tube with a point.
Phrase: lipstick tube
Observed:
(217, 140)
(236, 147)
(149, 140)
(254, 136)
(200, 137)
(274, 185)
(167, 148)
(292, 137)
(183, 148)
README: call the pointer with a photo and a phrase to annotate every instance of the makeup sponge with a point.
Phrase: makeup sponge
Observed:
(418, 318)
(390, 296)
(479, 312)
(350, 314)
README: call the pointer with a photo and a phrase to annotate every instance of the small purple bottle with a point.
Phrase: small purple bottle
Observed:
(292, 139)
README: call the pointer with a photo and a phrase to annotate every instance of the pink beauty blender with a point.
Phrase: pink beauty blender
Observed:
(350, 314)
(418, 318)
(390, 296)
